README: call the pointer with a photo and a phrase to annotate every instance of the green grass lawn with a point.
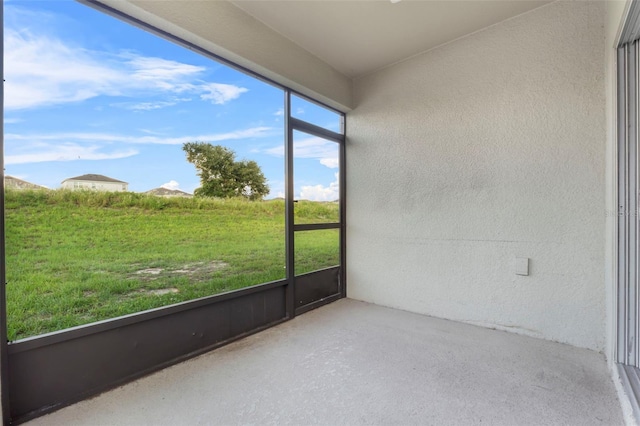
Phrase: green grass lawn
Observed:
(78, 257)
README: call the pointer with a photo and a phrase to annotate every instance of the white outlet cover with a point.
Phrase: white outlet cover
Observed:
(522, 266)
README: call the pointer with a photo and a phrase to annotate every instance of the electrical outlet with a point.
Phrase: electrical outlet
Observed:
(522, 266)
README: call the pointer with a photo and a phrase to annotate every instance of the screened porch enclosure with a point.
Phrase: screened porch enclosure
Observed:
(478, 244)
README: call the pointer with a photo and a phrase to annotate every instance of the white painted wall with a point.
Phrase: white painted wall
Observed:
(79, 185)
(223, 29)
(480, 151)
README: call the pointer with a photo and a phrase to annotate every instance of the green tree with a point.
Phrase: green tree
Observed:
(222, 176)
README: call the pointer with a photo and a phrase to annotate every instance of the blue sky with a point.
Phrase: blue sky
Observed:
(87, 93)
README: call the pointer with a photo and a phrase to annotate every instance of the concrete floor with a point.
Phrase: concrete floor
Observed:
(356, 363)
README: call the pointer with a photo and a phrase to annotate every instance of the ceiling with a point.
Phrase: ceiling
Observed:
(358, 37)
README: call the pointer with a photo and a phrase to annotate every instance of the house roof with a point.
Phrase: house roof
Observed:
(164, 192)
(13, 182)
(94, 178)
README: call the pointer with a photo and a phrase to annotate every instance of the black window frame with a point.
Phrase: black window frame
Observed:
(18, 382)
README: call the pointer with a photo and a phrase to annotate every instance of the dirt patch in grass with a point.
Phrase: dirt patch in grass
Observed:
(159, 291)
(149, 292)
(198, 270)
(201, 268)
(44, 317)
(150, 271)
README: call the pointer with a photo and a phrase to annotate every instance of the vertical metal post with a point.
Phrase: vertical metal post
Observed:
(635, 359)
(343, 209)
(623, 208)
(4, 362)
(628, 227)
(631, 218)
(288, 205)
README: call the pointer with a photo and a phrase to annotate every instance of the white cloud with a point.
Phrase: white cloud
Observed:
(64, 152)
(332, 162)
(163, 74)
(325, 151)
(279, 112)
(151, 132)
(254, 132)
(144, 106)
(25, 148)
(172, 184)
(42, 69)
(320, 192)
(221, 93)
(13, 120)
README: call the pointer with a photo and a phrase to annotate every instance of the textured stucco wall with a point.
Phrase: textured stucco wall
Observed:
(486, 149)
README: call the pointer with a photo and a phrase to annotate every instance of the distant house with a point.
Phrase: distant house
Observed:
(165, 192)
(95, 183)
(11, 182)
